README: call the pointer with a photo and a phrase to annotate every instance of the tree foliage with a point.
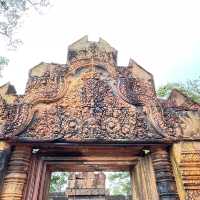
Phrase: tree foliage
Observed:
(58, 181)
(3, 62)
(190, 88)
(119, 183)
(10, 14)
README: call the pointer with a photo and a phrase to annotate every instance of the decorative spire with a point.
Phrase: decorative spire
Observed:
(99, 51)
(8, 92)
(139, 71)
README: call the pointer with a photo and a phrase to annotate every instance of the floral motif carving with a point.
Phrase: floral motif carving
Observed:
(187, 158)
(91, 110)
(16, 116)
(91, 99)
(48, 125)
(142, 93)
(193, 195)
(3, 113)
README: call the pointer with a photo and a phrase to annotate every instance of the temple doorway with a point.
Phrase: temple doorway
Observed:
(84, 173)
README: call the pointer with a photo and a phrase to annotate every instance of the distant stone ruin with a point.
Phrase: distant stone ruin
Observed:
(86, 186)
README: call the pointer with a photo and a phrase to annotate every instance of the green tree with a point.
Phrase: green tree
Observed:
(3, 62)
(10, 13)
(58, 182)
(119, 183)
(190, 88)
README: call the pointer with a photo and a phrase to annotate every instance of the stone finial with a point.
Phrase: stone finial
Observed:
(43, 68)
(44, 78)
(138, 71)
(39, 70)
(179, 99)
(99, 51)
(8, 92)
(7, 89)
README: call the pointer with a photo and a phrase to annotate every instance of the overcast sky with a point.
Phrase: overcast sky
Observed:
(163, 36)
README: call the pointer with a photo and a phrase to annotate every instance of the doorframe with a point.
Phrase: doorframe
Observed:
(77, 158)
(43, 164)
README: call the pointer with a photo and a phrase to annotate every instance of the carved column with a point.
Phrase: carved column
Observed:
(166, 184)
(16, 177)
(143, 180)
(4, 155)
(186, 164)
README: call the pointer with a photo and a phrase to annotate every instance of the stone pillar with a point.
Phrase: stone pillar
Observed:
(16, 176)
(166, 184)
(4, 156)
(143, 180)
(186, 165)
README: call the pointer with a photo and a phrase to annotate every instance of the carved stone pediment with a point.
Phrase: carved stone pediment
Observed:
(90, 109)
(90, 99)
(185, 112)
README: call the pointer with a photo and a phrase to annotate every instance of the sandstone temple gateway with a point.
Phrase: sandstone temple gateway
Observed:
(92, 115)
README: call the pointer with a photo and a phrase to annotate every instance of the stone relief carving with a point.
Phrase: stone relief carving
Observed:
(46, 82)
(190, 124)
(187, 164)
(91, 110)
(84, 49)
(92, 99)
(141, 92)
(184, 113)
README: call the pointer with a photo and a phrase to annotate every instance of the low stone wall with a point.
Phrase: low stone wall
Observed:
(57, 196)
(118, 198)
(61, 196)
